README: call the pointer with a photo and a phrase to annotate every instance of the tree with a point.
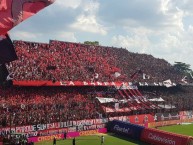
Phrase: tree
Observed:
(191, 74)
(96, 43)
(182, 67)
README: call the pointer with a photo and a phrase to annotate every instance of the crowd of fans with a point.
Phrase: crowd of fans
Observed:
(180, 96)
(15, 139)
(42, 105)
(65, 61)
(24, 106)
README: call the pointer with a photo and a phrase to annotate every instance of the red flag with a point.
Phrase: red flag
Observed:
(13, 12)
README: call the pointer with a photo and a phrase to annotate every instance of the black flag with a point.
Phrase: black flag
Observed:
(7, 54)
(7, 51)
(3, 73)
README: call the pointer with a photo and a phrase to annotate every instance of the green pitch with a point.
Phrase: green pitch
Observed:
(179, 129)
(95, 140)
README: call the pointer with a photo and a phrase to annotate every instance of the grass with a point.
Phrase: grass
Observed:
(110, 139)
(179, 129)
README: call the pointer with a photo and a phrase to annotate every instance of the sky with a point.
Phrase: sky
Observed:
(162, 28)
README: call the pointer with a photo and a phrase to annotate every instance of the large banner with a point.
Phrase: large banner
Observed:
(56, 128)
(158, 137)
(127, 129)
(135, 119)
(71, 83)
(79, 125)
(69, 135)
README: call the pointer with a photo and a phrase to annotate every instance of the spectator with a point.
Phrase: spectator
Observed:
(74, 141)
(65, 135)
(54, 141)
(102, 140)
(64, 61)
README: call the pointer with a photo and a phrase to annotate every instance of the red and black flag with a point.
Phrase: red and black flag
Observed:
(13, 12)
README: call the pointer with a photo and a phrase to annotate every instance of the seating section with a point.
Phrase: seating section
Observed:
(65, 61)
(79, 62)
(41, 105)
(180, 96)
(46, 105)
(33, 105)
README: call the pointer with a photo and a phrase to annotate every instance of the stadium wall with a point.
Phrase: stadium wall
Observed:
(124, 128)
(156, 137)
(152, 136)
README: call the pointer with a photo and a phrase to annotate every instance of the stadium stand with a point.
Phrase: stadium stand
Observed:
(67, 61)
(46, 105)
(144, 92)
(41, 105)
(179, 96)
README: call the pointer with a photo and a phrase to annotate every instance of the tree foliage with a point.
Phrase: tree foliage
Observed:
(182, 67)
(95, 43)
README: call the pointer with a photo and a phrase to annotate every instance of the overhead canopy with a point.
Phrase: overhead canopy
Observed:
(106, 100)
(110, 100)
(157, 100)
(167, 106)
